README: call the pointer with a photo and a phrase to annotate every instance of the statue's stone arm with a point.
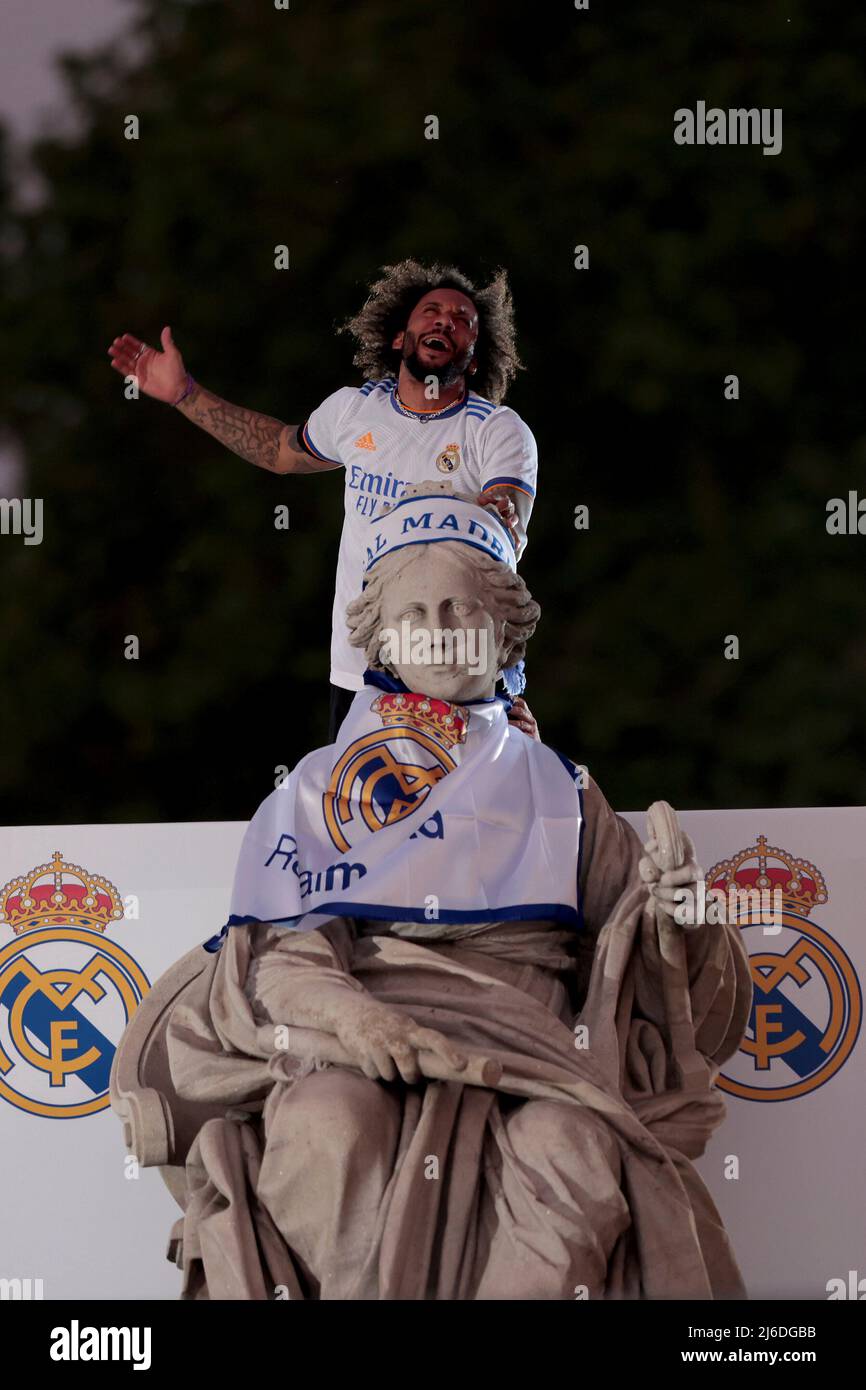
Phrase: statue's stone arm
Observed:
(694, 982)
(315, 990)
(614, 859)
(611, 854)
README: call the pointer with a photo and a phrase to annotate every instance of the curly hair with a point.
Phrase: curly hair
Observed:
(510, 602)
(392, 298)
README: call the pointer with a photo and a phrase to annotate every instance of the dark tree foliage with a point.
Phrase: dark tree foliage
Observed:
(306, 127)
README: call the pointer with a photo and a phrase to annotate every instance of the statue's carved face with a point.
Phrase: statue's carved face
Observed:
(437, 631)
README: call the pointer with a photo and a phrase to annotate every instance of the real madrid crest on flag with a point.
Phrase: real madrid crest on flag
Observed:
(807, 1006)
(66, 991)
(387, 775)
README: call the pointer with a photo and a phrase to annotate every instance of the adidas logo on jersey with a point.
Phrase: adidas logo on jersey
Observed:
(366, 441)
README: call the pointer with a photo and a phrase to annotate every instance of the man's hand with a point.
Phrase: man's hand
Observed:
(260, 439)
(664, 883)
(161, 375)
(386, 1041)
(522, 718)
(500, 498)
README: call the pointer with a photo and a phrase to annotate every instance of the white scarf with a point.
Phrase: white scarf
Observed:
(421, 811)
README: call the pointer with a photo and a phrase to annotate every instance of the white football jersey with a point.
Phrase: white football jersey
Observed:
(384, 449)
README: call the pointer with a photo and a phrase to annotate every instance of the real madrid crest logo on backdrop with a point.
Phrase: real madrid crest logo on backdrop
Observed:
(449, 460)
(384, 776)
(807, 1006)
(66, 991)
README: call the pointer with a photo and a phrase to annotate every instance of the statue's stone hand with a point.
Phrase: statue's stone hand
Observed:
(663, 883)
(387, 1041)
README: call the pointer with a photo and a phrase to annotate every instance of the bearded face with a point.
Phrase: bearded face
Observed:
(434, 358)
(439, 340)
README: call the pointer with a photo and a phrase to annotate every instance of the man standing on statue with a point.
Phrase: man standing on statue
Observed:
(424, 333)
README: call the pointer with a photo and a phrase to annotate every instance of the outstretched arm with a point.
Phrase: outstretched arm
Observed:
(259, 439)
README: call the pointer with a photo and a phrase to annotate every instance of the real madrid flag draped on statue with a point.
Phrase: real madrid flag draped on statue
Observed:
(405, 809)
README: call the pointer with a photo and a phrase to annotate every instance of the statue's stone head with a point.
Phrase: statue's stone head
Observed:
(443, 607)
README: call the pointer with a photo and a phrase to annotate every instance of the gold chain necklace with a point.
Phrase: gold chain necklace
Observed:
(426, 414)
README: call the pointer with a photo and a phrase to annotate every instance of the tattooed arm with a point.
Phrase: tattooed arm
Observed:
(260, 439)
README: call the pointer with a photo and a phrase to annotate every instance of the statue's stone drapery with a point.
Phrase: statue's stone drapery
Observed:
(574, 1171)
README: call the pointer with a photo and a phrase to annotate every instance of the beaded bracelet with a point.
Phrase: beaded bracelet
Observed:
(189, 385)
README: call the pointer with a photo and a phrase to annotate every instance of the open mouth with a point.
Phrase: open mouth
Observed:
(435, 343)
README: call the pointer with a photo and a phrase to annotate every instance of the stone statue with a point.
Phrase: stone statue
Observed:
(452, 1042)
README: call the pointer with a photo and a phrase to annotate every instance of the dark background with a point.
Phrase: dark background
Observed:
(260, 127)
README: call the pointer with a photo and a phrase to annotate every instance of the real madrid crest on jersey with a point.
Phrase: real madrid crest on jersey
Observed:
(807, 1006)
(385, 776)
(449, 460)
(66, 991)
